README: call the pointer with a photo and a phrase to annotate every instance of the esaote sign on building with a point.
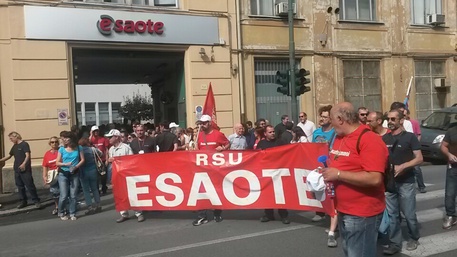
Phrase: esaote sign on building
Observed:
(106, 24)
(273, 178)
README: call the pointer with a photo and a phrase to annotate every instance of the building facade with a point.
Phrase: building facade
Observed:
(362, 51)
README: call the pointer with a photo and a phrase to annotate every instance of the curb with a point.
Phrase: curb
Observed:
(10, 212)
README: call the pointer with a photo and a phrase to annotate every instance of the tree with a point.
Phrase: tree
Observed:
(137, 108)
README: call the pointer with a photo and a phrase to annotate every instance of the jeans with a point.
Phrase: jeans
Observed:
(419, 177)
(450, 191)
(90, 183)
(24, 180)
(405, 201)
(359, 235)
(68, 184)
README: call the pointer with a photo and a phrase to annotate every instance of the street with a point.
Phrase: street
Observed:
(38, 233)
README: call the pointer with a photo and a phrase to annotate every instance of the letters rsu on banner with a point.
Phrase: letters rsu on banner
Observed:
(273, 178)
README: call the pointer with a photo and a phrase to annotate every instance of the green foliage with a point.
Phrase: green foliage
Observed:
(137, 108)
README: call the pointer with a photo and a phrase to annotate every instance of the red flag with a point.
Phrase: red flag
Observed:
(209, 108)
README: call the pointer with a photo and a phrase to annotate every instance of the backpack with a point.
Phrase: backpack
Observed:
(389, 170)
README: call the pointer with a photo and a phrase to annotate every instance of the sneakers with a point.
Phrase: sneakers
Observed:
(391, 250)
(317, 218)
(73, 218)
(422, 190)
(449, 221)
(266, 219)
(331, 241)
(285, 221)
(22, 205)
(218, 218)
(412, 245)
(140, 218)
(200, 221)
(55, 211)
(64, 217)
(122, 219)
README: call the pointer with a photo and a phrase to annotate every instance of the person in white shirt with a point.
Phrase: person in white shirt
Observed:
(306, 125)
(238, 140)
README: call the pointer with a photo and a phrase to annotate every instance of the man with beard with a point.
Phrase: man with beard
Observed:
(374, 121)
(210, 140)
(363, 113)
(405, 153)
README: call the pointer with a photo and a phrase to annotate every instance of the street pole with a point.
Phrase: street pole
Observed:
(294, 104)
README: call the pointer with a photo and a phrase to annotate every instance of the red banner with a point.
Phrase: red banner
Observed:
(192, 180)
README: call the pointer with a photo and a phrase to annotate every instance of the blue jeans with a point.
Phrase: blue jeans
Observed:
(403, 200)
(68, 185)
(450, 191)
(419, 177)
(359, 235)
(90, 183)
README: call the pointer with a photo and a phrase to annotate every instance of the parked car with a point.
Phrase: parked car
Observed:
(433, 129)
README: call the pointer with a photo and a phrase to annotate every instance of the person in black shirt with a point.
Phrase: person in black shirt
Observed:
(22, 169)
(281, 127)
(286, 136)
(142, 143)
(269, 142)
(166, 141)
(404, 153)
(449, 149)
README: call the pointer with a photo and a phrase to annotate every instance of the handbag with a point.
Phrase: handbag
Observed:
(51, 179)
(101, 168)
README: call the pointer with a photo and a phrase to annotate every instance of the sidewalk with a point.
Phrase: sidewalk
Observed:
(11, 200)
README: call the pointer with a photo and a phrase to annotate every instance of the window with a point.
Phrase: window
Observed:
(428, 97)
(362, 84)
(79, 114)
(103, 113)
(115, 106)
(265, 7)
(90, 113)
(358, 10)
(421, 8)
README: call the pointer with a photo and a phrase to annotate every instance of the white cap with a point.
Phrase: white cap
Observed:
(113, 132)
(173, 125)
(205, 118)
(316, 184)
(94, 128)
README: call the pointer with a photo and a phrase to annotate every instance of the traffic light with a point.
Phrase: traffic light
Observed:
(282, 78)
(300, 81)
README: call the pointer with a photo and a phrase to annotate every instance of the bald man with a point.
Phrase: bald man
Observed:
(238, 140)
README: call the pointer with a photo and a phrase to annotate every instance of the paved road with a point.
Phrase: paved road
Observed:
(38, 233)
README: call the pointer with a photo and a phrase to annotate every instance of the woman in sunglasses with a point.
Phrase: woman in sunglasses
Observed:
(49, 163)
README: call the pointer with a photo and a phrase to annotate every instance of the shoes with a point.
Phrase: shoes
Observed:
(22, 205)
(328, 230)
(331, 241)
(141, 218)
(38, 205)
(412, 245)
(90, 211)
(218, 218)
(64, 217)
(285, 221)
(422, 190)
(200, 221)
(449, 221)
(55, 211)
(317, 218)
(122, 219)
(98, 209)
(391, 250)
(73, 218)
(266, 219)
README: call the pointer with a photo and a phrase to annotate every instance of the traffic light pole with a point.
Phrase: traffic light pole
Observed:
(293, 94)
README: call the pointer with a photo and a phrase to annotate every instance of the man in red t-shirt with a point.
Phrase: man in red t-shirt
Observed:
(103, 145)
(211, 140)
(357, 174)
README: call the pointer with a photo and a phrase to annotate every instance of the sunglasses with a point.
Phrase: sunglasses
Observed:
(54, 142)
(391, 119)
(363, 114)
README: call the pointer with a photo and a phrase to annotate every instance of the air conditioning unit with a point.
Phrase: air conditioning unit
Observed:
(435, 19)
(440, 83)
(282, 9)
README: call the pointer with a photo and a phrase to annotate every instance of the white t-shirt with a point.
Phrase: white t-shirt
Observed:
(308, 127)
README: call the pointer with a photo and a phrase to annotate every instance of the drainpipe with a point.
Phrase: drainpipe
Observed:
(240, 59)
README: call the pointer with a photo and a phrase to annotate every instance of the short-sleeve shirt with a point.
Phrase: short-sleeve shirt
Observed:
(351, 199)
(166, 141)
(265, 144)
(49, 160)
(416, 127)
(320, 136)
(18, 151)
(148, 145)
(212, 140)
(451, 138)
(120, 150)
(406, 143)
(237, 142)
(72, 157)
(102, 144)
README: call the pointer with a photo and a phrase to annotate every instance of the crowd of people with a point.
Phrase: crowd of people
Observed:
(361, 144)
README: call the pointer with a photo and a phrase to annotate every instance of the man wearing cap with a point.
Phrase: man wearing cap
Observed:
(166, 141)
(102, 144)
(120, 149)
(356, 166)
(210, 140)
(142, 144)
